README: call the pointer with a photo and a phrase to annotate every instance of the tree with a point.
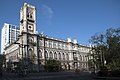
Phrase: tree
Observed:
(24, 66)
(107, 49)
(52, 65)
(113, 54)
(2, 63)
(2, 60)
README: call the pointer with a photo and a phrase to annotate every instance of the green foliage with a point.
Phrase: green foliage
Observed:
(52, 65)
(34, 43)
(107, 48)
(9, 66)
(2, 60)
(25, 64)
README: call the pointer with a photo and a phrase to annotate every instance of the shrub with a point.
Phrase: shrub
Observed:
(115, 73)
(52, 65)
(103, 71)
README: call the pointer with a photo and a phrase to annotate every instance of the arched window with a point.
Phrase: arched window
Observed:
(63, 56)
(50, 44)
(80, 57)
(46, 54)
(30, 53)
(51, 55)
(84, 58)
(40, 43)
(67, 56)
(30, 39)
(54, 45)
(59, 56)
(40, 53)
(31, 15)
(45, 43)
(55, 55)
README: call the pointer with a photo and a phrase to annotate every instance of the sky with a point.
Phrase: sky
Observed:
(62, 19)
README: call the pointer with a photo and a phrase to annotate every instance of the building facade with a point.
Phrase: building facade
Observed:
(71, 54)
(9, 34)
(40, 48)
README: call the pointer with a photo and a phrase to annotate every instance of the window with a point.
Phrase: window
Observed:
(84, 58)
(59, 56)
(74, 54)
(62, 46)
(45, 43)
(13, 27)
(31, 15)
(63, 56)
(66, 46)
(30, 39)
(46, 54)
(17, 28)
(67, 56)
(50, 44)
(80, 57)
(40, 53)
(30, 53)
(28, 15)
(54, 45)
(59, 45)
(51, 55)
(55, 55)
(40, 43)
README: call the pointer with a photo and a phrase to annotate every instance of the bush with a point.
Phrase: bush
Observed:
(103, 71)
(52, 65)
(115, 73)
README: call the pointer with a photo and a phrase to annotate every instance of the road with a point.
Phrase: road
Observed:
(49, 76)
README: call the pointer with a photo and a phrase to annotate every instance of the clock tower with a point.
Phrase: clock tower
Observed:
(28, 19)
(28, 35)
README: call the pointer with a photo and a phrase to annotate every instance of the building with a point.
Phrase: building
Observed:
(9, 35)
(38, 48)
(71, 54)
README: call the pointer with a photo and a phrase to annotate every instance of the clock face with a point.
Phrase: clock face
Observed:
(30, 27)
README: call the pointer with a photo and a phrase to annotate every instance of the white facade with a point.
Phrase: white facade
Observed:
(9, 35)
(71, 54)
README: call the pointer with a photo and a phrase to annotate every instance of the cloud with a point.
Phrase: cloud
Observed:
(47, 12)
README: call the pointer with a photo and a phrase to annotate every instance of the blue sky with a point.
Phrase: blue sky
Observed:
(77, 19)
